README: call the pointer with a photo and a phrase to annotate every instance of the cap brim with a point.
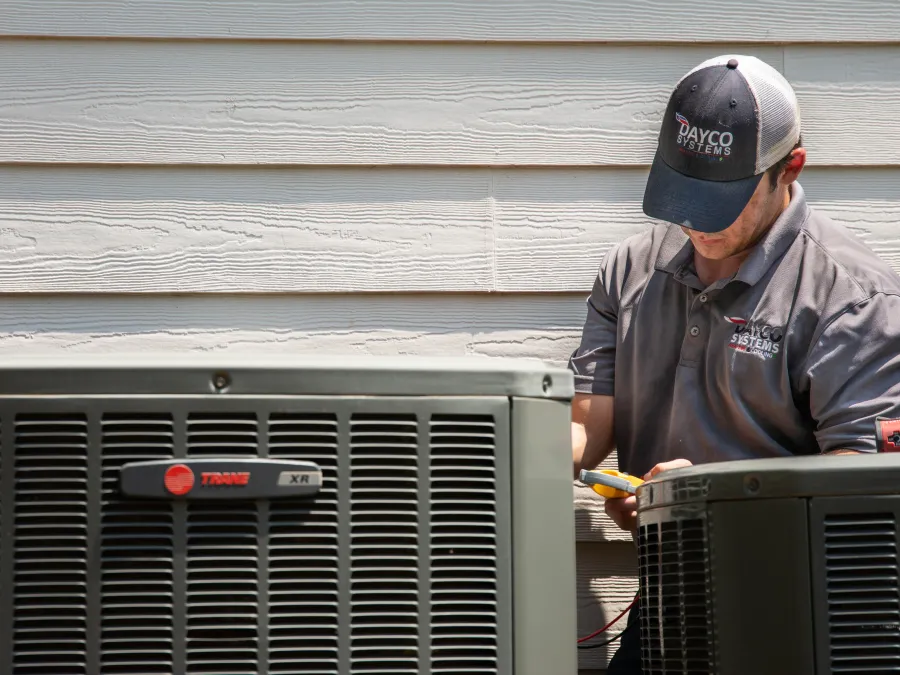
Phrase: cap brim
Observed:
(703, 205)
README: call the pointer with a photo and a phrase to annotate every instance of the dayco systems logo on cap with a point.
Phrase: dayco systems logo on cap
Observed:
(714, 144)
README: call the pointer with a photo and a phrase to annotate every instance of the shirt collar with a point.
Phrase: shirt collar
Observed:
(676, 251)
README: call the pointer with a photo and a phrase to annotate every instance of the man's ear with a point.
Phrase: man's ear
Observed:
(793, 168)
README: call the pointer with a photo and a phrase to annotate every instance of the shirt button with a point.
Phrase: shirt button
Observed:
(704, 297)
(695, 331)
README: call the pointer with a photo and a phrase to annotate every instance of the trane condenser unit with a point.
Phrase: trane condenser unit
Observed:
(783, 566)
(164, 516)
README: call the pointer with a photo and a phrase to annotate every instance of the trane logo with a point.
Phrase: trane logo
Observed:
(179, 479)
(234, 478)
(220, 479)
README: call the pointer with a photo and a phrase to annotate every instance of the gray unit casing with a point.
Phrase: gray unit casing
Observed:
(442, 538)
(777, 566)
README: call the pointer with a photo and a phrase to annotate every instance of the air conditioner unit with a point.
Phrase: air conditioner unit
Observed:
(238, 516)
(783, 566)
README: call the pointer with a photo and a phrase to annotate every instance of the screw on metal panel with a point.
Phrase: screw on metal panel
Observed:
(221, 381)
(752, 484)
(547, 384)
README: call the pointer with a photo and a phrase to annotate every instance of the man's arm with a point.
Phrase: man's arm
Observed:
(592, 430)
(852, 375)
(593, 364)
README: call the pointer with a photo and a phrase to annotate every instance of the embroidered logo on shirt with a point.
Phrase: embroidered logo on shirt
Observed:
(757, 339)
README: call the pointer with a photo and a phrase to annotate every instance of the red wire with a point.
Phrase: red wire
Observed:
(609, 625)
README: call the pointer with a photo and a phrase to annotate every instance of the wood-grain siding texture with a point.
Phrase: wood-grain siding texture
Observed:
(385, 177)
(726, 21)
(350, 230)
(284, 103)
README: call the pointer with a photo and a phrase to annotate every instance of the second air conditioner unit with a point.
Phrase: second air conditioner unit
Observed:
(777, 566)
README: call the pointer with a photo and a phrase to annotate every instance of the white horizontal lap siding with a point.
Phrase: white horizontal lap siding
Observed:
(606, 583)
(241, 230)
(850, 101)
(65, 101)
(547, 327)
(519, 20)
(294, 103)
(171, 229)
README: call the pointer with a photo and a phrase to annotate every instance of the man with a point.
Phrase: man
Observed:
(747, 324)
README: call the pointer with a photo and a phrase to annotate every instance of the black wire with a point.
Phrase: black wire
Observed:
(607, 642)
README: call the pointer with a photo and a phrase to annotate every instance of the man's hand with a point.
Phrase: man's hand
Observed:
(666, 466)
(623, 511)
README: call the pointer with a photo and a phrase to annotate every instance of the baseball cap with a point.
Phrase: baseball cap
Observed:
(727, 121)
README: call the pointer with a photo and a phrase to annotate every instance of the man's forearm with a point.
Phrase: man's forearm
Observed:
(584, 454)
(579, 442)
(592, 431)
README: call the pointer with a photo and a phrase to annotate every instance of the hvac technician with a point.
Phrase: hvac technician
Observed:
(748, 325)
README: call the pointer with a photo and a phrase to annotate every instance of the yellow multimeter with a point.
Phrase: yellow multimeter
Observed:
(610, 483)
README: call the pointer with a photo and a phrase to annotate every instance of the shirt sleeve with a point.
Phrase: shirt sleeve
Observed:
(594, 361)
(854, 374)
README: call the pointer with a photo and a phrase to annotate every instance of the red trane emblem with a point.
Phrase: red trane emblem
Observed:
(179, 479)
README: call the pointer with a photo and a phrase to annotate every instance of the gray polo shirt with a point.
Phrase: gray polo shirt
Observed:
(798, 353)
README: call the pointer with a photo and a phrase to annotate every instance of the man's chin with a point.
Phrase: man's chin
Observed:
(716, 255)
(711, 249)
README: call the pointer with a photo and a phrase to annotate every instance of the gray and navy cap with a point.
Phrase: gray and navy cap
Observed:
(728, 120)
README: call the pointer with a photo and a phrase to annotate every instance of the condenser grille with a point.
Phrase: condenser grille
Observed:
(51, 545)
(136, 553)
(394, 567)
(303, 553)
(222, 558)
(384, 578)
(463, 545)
(218, 435)
(861, 568)
(676, 627)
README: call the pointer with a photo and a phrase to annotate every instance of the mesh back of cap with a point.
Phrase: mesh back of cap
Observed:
(779, 114)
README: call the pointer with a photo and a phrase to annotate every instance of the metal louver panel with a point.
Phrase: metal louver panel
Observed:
(137, 543)
(384, 544)
(222, 558)
(303, 553)
(51, 545)
(399, 565)
(675, 616)
(463, 545)
(863, 594)
(222, 435)
(648, 571)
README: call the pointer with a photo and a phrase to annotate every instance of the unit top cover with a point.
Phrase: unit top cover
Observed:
(243, 374)
(807, 476)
